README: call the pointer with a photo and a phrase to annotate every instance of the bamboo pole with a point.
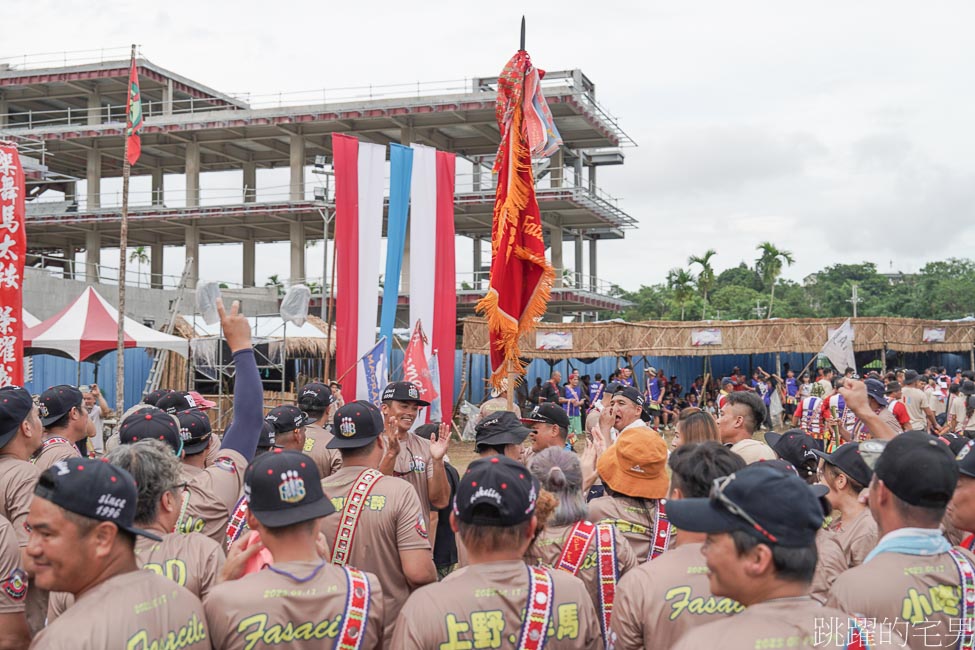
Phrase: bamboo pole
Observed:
(329, 312)
(122, 244)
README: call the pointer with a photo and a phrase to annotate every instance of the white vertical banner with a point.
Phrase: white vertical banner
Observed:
(423, 238)
(839, 347)
(372, 189)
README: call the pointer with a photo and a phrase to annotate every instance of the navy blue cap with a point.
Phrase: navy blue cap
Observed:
(284, 487)
(194, 430)
(847, 459)
(548, 413)
(403, 391)
(500, 428)
(56, 401)
(287, 417)
(15, 405)
(496, 491)
(315, 396)
(355, 425)
(919, 469)
(150, 423)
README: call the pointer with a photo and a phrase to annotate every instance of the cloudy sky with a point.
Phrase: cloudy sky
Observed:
(839, 131)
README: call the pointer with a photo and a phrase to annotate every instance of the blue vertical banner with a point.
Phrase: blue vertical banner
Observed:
(374, 371)
(400, 177)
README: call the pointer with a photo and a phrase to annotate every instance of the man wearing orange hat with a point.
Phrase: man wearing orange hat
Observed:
(634, 476)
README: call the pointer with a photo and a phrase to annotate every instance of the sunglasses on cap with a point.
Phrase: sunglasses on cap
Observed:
(717, 494)
(870, 451)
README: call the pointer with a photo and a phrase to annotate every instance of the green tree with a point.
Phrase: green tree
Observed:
(769, 266)
(649, 303)
(705, 278)
(139, 256)
(829, 290)
(735, 302)
(275, 281)
(739, 276)
(681, 283)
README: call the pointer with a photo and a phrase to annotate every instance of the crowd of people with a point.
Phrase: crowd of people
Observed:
(578, 525)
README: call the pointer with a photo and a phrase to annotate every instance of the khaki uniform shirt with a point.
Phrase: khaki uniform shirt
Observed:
(267, 609)
(800, 623)
(918, 595)
(916, 401)
(548, 547)
(328, 460)
(13, 578)
(632, 517)
(52, 453)
(659, 601)
(391, 521)
(956, 407)
(17, 481)
(132, 610)
(193, 561)
(414, 464)
(211, 495)
(483, 605)
(845, 545)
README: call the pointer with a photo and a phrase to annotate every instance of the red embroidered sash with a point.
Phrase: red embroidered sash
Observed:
(662, 531)
(574, 552)
(47, 443)
(238, 522)
(354, 503)
(576, 545)
(966, 636)
(538, 610)
(356, 611)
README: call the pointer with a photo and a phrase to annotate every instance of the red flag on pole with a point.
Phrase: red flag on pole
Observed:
(133, 111)
(13, 248)
(415, 367)
(521, 277)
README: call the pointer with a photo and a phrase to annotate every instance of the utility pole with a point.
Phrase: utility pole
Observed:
(759, 310)
(855, 299)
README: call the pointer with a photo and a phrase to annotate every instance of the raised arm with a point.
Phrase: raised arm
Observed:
(245, 429)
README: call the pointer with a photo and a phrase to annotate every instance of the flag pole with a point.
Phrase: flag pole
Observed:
(522, 34)
(123, 240)
(329, 311)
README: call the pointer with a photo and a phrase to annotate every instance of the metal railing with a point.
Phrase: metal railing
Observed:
(477, 282)
(65, 58)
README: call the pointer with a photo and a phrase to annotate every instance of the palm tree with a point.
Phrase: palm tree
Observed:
(769, 266)
(275, 281)
(681, 282)
(139, 256)
(705, 279)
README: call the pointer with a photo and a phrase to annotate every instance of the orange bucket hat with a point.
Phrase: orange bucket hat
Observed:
(636, 465)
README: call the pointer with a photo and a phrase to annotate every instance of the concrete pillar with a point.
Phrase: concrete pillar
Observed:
(592, 179)
(477, 262)
(4, 111)
(297, 170)
(93, 255)
(250, 182)
(192, 174)
(156, 256)
(577, 168)
(158, 186)
(578, 269)
(557, 167)
(71, 191)
(193, 251)
(592, 264)
(297, 252)
(69, 261)
(407, 135)
(167, 98)
(94, 179)
(250, 255)
(476, 182)
(94, 108)
(555, 236)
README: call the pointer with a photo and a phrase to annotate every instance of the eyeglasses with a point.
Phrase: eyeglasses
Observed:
(870, 451)
(717, 494)
(180, 487)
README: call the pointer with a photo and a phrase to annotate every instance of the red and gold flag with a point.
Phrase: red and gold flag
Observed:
(521, 277)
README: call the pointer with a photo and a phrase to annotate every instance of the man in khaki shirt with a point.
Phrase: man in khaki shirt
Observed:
(497, 601)
(918, 403)
(388, 536)
(21, 435)
(912, 579)
(82, 541)
(65, 421)
(760, 549)
(316, 400)
(14, 632)
(742, 415)
(300, 598)
(659, 601)
(191, 560)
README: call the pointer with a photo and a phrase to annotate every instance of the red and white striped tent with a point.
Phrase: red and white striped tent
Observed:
(88, 328)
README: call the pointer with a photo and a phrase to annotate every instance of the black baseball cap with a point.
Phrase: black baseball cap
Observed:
(15, 405)
(966, 459)
(56, 401)
(847, 459)
(403, 391)
(631, 393)
(919, 469)
(95, 489)
(910, 376)
(500, 428)
(315, 396)
(267, 436)
(496, 491)
(772, 505)
(284, 487)
(955, 442)
(795, 447)
(968, 387)
(876, 391)
(892, 387)
(150, 423)
(428, 431)
(176, 401)
(548, 413)
(355, 425)
(287, 417)
(194, 430)
(153, 397)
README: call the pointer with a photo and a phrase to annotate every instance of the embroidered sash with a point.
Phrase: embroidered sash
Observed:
(538, 610)
(966, 636)
(576, 545)
(354, 503)
(238, 521)
(47, 443)
(608, 574)
(662, 530)
(356, 611)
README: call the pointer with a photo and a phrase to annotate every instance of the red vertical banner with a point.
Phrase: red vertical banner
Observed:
(345, 153)
(444, 331)
(13, 248)
(415, 367)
